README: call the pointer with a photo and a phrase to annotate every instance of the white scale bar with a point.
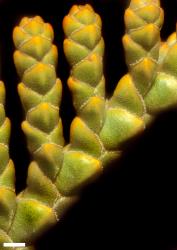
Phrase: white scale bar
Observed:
(13, 244)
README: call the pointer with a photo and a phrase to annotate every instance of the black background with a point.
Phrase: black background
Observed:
(158, 139)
